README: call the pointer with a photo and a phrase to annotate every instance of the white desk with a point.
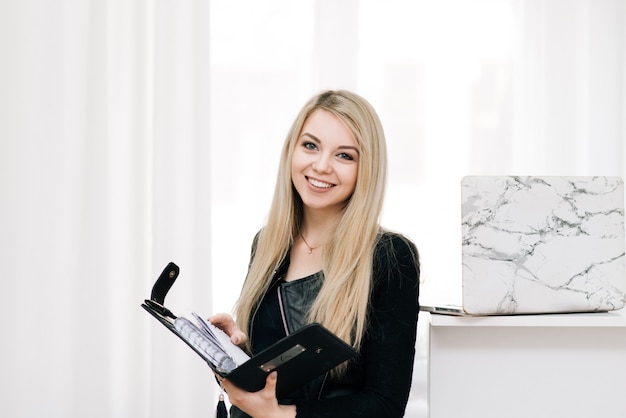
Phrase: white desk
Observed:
(549, 366)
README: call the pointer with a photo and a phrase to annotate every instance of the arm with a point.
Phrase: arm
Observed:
(388, 351)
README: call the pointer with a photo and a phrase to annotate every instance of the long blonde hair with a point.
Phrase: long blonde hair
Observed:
(341, 305)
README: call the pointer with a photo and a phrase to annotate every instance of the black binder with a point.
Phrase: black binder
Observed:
(298, 358)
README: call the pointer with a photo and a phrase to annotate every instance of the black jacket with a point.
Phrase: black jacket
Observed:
(378, 381)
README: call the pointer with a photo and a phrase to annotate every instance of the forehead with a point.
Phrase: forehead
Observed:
(326, 126)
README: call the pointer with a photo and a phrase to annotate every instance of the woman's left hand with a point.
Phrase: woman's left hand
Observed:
(261, 404)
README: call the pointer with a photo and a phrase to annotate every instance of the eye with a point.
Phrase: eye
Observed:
(345, 156)
(309, 145)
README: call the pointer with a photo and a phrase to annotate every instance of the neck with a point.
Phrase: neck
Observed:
(317, 222)
(309, 246)
(314, 230)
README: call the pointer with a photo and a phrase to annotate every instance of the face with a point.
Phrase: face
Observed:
(324, 166)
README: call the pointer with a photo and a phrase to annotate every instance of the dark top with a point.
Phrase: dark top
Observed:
(378, 381)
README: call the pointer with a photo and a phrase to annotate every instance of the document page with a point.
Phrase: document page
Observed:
(212, 342)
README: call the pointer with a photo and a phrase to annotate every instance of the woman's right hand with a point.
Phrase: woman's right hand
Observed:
(226, 323)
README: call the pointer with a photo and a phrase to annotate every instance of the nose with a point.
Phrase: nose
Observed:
(322, 163)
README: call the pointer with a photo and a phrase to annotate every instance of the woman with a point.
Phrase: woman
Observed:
(323, 257)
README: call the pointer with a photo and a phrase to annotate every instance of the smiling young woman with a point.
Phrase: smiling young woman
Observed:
(324, 257)
(324, 164)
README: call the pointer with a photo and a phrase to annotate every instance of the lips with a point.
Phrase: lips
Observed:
(319, 184)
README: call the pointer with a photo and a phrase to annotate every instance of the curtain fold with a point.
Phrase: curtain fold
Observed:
(104, 180)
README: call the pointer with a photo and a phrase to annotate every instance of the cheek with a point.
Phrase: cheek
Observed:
(298, 161)
(296, 171)
(294, 166)
(349, 176)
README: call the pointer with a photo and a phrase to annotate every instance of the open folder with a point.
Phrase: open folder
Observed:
(298, 358)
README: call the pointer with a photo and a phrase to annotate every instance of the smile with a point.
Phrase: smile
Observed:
(320, 184)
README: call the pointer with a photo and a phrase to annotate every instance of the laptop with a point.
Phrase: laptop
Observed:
(541, 244)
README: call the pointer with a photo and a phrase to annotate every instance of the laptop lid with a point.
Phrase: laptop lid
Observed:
(542, 244)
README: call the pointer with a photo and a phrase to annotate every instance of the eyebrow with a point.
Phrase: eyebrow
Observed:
(316, 139)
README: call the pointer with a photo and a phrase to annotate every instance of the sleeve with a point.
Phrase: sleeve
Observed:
(388, 351)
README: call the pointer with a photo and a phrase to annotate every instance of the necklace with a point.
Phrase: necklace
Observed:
(307, 244)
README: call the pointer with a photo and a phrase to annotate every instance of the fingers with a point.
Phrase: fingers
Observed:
(222, 320)
(238, 337)
(270, 383)
(226, 323)
(262, 403)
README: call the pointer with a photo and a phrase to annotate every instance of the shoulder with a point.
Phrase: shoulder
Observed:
(396, 279)
(396, 262)
(393, 246)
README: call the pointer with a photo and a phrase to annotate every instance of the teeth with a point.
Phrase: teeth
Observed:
(321, 184)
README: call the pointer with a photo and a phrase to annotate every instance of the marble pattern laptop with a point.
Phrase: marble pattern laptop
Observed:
(542, 244)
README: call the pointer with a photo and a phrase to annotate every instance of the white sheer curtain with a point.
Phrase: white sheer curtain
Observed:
(104, 179)
(137, 133)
